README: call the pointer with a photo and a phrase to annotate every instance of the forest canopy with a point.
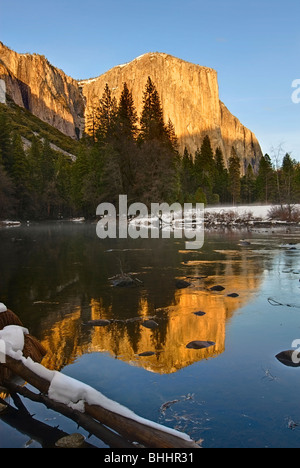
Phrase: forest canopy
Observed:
(123, 153)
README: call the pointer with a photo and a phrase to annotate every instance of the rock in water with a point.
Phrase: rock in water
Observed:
(200, 344)
(147, 353)
(200, 314)
(71, 441)
(181, 284)
(3, 408)
(233, 295)
(99, 323)
(244, 243)
(150, 324)
(217, 288)
(122, 281)
(288, 358)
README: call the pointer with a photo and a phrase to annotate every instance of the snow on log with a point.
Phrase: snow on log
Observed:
(3, 308)
(85, 399)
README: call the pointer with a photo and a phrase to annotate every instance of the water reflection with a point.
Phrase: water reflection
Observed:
(178, 325)
(61, 274)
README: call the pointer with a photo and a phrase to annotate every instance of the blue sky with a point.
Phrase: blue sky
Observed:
(254, 46)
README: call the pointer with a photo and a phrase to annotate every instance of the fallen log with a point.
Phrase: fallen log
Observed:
(110, 438)
(23, 422)
(129, 426)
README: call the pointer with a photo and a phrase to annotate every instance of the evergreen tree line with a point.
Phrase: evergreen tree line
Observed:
(122, 153)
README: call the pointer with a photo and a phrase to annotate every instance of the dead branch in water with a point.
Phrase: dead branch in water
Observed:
(128, 430)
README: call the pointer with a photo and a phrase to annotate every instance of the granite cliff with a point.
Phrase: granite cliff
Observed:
(47, 92)
(190, 98)
(189, 94)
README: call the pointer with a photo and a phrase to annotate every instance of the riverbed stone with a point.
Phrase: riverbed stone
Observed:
(99, 323)
(150, 324)
(200, 344)
(71, 441)
(182, 284)
(217, 288)
(286, 358)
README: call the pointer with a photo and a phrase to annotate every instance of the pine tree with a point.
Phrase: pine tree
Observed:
(205, 168)
(63, 174)
(5, 141)
(235, 176)
(19, 173)
(265, 181)
(79, 172)
(35, 166)
(221, 177)
(248, 185)
(112, 178)
(157, 177)
(123, 151)
(7, 192)
(157, 174)
(170, 131)
(289, 189)
(152, 121)
(126, 115)
(47, 162)
(106, 116)
(92, 124)
(19, 166)
(187, 178)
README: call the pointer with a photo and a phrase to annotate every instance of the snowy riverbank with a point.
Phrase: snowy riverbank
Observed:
(242, 215)
(7, 223)
(256, 211)
(220, 216)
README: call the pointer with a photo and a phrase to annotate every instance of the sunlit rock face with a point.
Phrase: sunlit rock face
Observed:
(190, 98)
(189, 94)
(47, 92)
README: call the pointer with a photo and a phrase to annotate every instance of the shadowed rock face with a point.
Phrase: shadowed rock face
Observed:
(189, 94)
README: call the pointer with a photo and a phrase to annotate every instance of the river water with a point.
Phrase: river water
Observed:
(56, 278)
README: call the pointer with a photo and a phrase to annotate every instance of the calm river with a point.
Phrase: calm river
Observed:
(55, 276)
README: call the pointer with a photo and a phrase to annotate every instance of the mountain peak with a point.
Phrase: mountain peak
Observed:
(189, 95)
(190, 99)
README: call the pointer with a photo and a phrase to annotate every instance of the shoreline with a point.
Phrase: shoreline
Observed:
(238, 217)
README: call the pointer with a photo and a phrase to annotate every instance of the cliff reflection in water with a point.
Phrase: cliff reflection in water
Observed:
(126, 338)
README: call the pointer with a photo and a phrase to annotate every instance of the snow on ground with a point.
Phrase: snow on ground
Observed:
(10, 223)
(258, 211)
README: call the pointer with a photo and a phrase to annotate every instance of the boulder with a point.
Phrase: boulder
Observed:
(181, 284)
(286, 358)
(99, 323)
(217, 288)
(150, 324)
(200, 344)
